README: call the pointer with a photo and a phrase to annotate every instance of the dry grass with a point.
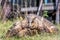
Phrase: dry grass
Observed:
(43, 36)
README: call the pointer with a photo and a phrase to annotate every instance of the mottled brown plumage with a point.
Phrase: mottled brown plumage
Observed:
(30, 25)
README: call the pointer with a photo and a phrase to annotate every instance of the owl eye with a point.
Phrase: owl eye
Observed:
(8, 30)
